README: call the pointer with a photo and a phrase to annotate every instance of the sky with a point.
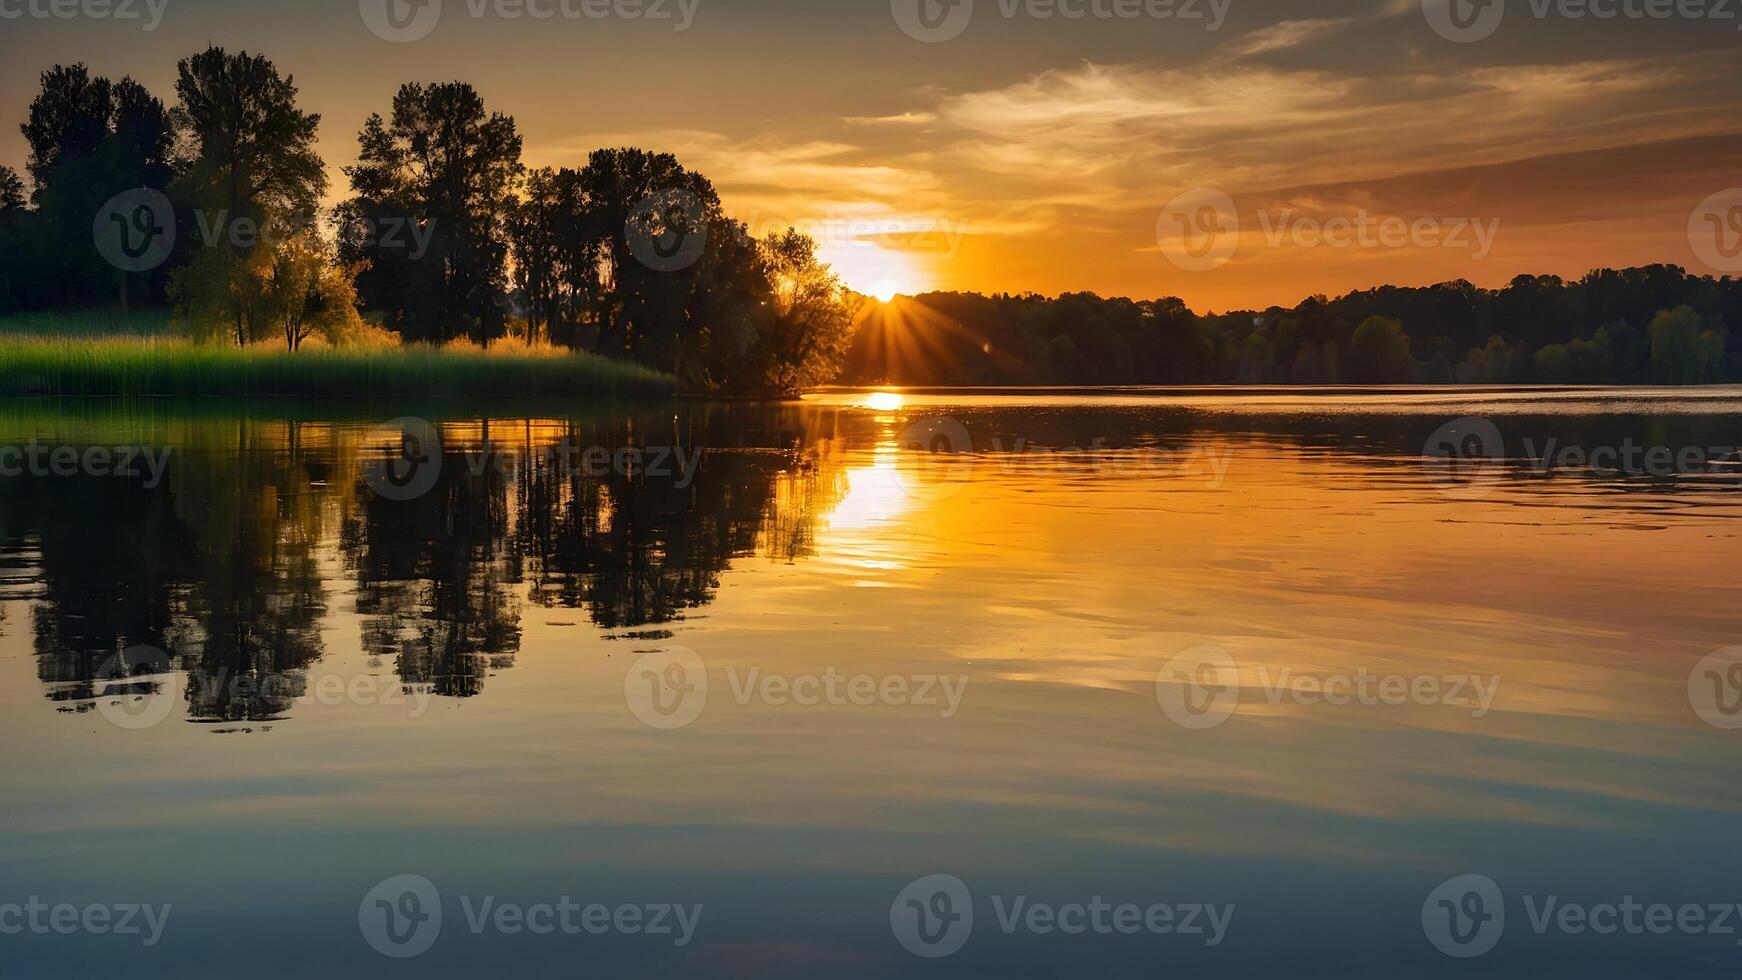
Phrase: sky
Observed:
(1234, 153)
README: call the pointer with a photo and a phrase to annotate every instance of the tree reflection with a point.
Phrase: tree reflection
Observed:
(230, 565)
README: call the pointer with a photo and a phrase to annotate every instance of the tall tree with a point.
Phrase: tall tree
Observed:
(254, 162)
(444, 164)
(253, 149)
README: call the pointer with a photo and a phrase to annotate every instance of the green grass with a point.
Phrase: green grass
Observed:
(86, 323)
(134, 366)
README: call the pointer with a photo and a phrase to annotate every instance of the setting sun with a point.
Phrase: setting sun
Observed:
(874, 270)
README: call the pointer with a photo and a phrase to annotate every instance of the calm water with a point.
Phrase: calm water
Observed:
(791, 660)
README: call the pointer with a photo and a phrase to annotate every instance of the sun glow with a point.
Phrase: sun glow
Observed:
(869, 268)
(884, 401)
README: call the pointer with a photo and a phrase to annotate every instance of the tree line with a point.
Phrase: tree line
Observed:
(446, 235)
(1651, 325)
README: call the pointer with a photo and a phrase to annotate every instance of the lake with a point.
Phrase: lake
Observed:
(1121, 683)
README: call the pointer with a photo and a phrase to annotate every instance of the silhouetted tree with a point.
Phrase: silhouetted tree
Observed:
(442, 162)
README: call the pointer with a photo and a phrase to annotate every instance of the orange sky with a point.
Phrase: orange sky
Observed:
(1031, 153)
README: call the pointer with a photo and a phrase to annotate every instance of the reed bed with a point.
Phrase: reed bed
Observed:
(134, 367)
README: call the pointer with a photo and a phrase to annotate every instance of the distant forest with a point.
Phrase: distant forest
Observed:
(1652, 325)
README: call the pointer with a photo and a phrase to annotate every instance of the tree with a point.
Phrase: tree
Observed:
(253, 161)
(1379, 353)
(306, 293)
(68, 121)
(89, 140)
(804, 339)
(11, 195)
(440, 161)
(253, 148)
(1683, 354)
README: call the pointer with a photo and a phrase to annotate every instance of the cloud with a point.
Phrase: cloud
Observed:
(1287, 34)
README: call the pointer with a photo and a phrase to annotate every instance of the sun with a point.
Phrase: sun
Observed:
(884, 289)
(869, 268)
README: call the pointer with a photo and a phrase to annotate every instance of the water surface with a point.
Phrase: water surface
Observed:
(339, 670)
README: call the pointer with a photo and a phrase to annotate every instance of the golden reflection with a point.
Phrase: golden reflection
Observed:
(884, 401)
